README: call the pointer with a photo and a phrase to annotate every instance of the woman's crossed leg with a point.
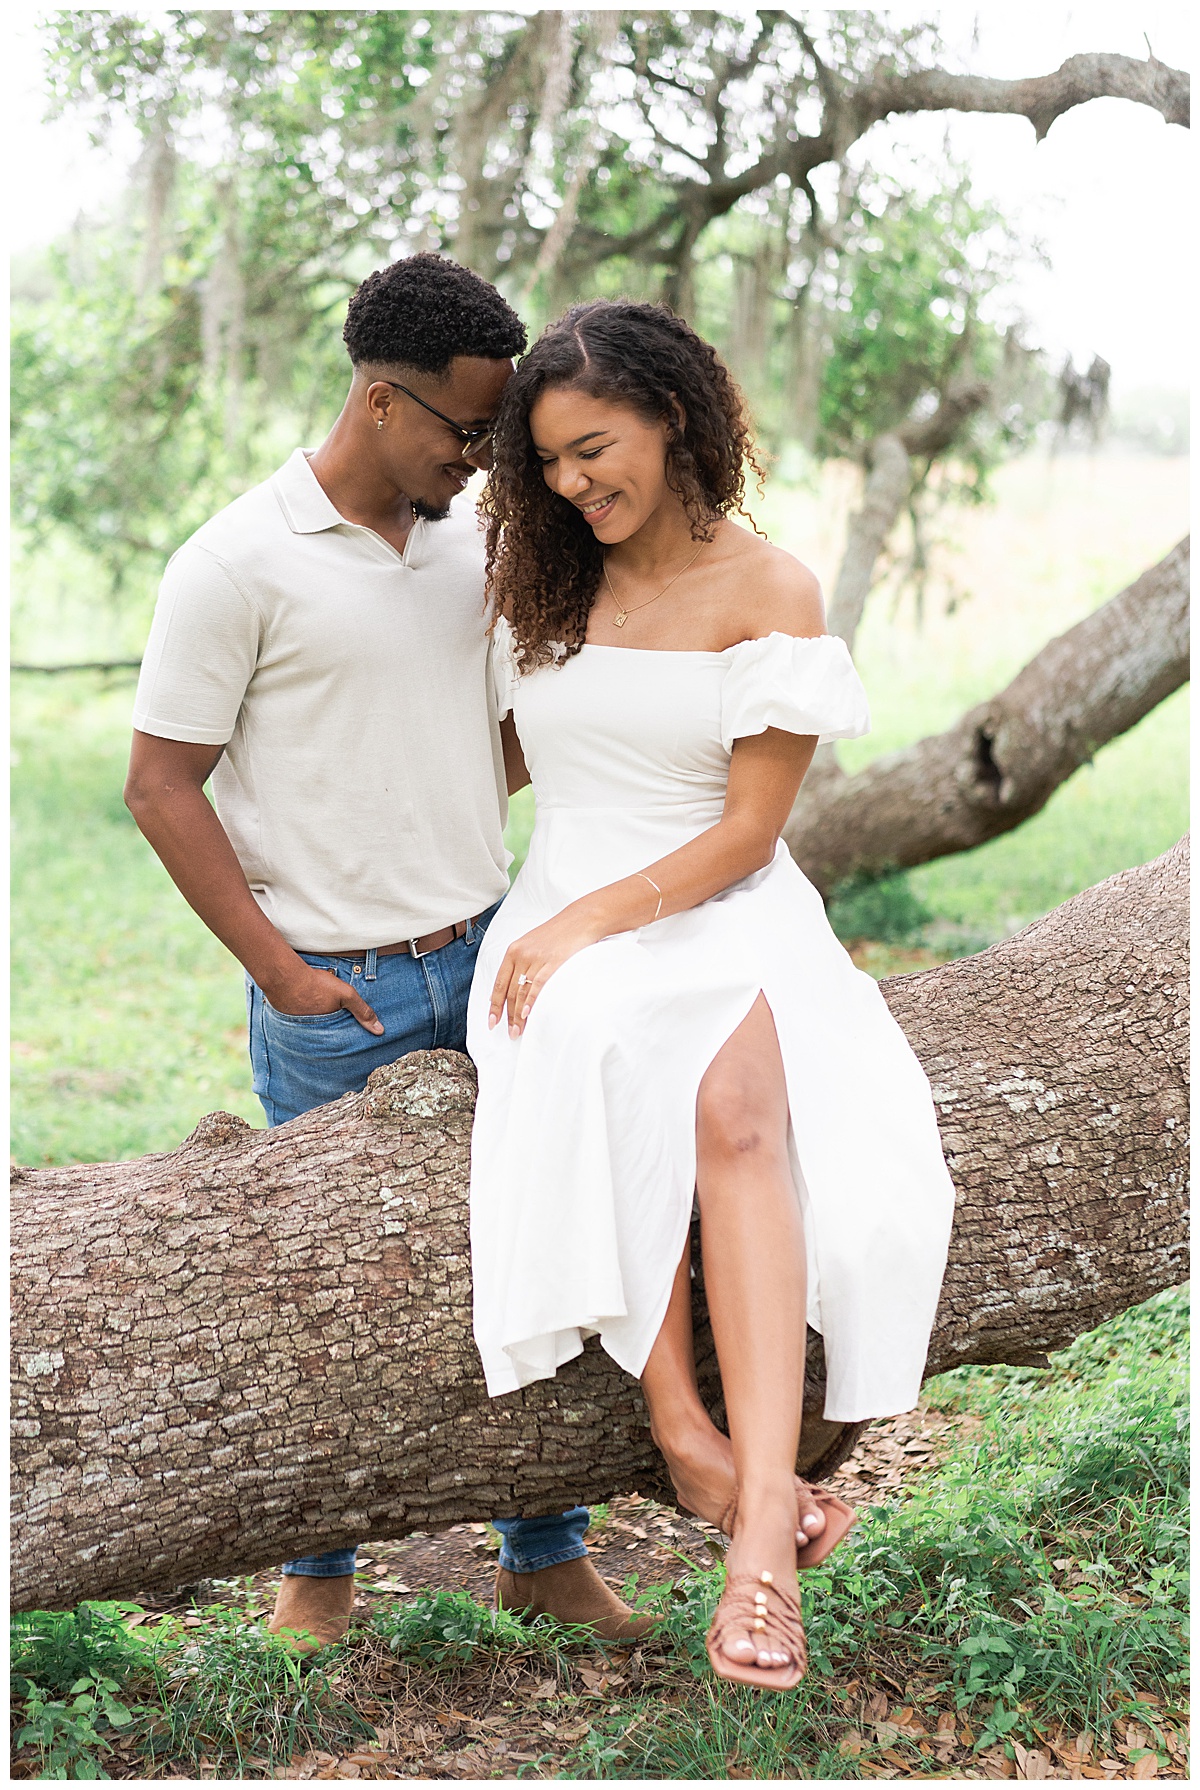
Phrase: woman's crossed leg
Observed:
(754, 1274)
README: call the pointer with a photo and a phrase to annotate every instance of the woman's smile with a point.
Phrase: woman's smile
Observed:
(598, 509)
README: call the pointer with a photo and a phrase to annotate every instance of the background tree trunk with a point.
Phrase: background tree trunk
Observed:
(886, 490)
(1005, 758)
(260, 1344)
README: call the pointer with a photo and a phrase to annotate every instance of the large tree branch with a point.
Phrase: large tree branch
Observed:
(1005, 758)
(1040, 98)
(260, 1345)
(851, 111)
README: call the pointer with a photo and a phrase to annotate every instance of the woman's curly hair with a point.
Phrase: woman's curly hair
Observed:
(544, 562)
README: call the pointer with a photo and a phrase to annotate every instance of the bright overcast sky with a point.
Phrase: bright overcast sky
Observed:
(1107, 192)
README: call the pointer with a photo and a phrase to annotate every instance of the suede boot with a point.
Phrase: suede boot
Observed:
(314, 1612)
(571, 1592)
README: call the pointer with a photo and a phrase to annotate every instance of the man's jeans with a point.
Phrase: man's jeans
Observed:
(302, 1061)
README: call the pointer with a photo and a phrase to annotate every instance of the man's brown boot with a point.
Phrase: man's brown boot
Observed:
(571, 1592)
(315, 1611)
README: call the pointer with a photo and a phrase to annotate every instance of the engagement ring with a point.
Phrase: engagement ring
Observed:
(521, 981)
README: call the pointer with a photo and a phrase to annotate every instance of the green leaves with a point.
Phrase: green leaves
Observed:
(226, 1690)
(69, 1735)
(190, 340)
(69, 1674)
(983, 1589)
(909, 314)
(445, 1628)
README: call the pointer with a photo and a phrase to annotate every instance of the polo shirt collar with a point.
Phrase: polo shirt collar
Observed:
(306, 506)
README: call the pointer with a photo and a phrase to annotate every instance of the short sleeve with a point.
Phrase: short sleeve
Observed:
(202, 652)
(504, 667)
(800, 685)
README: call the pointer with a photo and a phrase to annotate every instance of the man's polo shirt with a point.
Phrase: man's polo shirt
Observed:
(362, 782)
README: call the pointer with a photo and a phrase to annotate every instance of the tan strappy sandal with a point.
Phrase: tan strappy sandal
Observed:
(768, 1615)
(839, 1520)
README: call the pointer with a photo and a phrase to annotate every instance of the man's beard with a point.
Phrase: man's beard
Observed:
(427, 512)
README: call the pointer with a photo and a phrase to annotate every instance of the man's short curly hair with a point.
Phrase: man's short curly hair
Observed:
(424, 310)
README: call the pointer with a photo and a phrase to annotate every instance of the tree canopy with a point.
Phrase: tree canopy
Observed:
(171, 355)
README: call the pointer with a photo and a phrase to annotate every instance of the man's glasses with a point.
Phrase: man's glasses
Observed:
(472, 439)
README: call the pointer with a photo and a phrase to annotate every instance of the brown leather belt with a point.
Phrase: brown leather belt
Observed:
(418, 947)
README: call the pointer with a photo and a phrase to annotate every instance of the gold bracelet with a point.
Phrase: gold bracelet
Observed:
(657, 891)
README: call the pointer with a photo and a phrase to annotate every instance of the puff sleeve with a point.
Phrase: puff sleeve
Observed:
(504, 667)
(800, 685)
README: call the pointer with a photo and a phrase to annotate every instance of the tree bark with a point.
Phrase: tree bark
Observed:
(1005, 758)
(260, 1344)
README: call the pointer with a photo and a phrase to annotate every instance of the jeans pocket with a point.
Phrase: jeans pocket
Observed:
(337, 1017)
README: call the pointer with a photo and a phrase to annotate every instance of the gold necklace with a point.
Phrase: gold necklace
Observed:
(623, 614)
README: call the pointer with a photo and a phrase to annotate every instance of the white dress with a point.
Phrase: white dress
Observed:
(583, 1160)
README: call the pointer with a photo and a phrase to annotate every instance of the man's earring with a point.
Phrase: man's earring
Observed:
(379, 424)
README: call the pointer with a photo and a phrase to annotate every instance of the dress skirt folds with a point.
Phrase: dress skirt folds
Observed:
(583, 1161)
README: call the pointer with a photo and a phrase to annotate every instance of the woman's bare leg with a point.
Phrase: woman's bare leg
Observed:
(754, 1272)
(699, 1457)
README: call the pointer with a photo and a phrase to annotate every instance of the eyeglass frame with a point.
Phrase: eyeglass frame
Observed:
(473, 439)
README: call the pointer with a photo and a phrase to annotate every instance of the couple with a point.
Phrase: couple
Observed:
(659, 1013)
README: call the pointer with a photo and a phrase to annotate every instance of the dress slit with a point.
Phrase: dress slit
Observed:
(692, 1206)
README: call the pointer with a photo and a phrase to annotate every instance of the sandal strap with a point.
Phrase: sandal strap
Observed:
(737, 1609)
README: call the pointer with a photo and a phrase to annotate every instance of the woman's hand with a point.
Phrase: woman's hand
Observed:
(529, 963)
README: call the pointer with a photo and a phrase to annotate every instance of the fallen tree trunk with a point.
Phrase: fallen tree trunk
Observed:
(1006, 757)
(260, 1344)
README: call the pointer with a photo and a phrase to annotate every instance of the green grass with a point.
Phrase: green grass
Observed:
(224, 1693)
(1127, 807)
(128, 1017)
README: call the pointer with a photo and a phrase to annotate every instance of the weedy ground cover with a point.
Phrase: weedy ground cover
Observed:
(1030, 1595)
(214, 1689)
(1020, 1610)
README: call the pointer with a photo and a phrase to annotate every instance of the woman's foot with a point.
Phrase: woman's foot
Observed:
(816, 1544)
(756, 1636)
(700, 1461)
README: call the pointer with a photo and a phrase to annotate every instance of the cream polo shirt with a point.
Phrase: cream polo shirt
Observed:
(362, 784)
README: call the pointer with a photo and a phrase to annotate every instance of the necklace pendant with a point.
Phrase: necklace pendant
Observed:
(619, 618)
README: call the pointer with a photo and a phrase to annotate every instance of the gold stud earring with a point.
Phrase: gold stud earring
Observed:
(379, 424)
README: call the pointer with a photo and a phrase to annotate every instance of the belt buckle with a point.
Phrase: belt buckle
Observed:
(412, 947)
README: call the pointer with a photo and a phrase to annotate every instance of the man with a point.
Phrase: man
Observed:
(319, 650)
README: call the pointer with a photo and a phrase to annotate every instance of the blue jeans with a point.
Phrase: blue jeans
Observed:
(300, 1061)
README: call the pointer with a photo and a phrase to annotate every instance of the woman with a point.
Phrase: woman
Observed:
(660, 1010)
